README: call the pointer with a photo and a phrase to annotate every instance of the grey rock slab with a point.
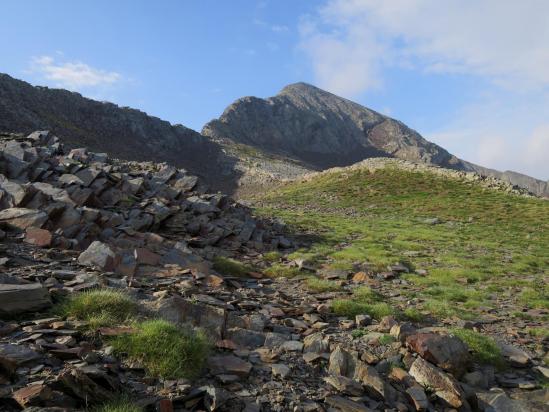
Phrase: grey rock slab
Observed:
(15, 299)
(21, 218)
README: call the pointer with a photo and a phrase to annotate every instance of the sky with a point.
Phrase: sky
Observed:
(469, 75)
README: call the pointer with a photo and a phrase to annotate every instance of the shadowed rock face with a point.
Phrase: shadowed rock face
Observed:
(105, 127)
(322, 129)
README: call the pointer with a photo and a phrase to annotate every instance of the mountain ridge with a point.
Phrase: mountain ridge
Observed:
(255, 141)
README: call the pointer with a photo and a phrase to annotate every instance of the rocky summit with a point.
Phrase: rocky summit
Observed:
(126, 285)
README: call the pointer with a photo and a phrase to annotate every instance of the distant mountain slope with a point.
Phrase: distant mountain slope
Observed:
(323, 130)
(105, 127)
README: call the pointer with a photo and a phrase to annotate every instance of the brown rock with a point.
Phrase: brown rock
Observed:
(345, 405)
(342, 362)
(447, 352)
(32, 395)
(38, 237)
(146, 257)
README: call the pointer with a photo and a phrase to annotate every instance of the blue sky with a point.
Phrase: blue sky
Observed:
(469, 75)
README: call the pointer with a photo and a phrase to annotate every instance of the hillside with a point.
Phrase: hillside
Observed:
(477, 249)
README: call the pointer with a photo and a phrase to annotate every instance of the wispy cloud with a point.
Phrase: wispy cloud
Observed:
(72, 75)
(276, 28)
(351, 44)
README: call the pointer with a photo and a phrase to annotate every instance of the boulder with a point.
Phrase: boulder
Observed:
(444, 385)
(445, 351)
(99, 255)
(15, 299)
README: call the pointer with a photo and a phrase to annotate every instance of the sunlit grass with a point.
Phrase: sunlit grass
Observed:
(487, 241)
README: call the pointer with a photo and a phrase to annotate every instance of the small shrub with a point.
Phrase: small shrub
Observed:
(99, 307)
(484, 348)
(278, 270)
(122, 404)
(231, 267)
(164, 349)
(322, 285)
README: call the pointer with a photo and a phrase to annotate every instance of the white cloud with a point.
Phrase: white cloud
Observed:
(503, 44)
(503, 40)
(72, 75)
(493, 133)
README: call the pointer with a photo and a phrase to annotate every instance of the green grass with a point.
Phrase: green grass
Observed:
(164, 349)
(281, 271)
(386, 339)
(413, 315)
(484, 348)
(322, 285)
(99, 307)
(272, 256)
(538, 332)
(121, 404)
(231, 267)
(363, 302)
(489, 241)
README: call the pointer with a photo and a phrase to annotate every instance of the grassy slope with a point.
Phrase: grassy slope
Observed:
(489, 244)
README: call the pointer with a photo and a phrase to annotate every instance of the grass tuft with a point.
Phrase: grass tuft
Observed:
(281, 271)
(485, 349)
(164, 349)
(121, 404)
(99, 307)
(363, 302)
(322, 285)
(272, 256)
(231, 267)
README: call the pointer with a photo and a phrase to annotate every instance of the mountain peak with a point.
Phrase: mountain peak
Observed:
(301, 87)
